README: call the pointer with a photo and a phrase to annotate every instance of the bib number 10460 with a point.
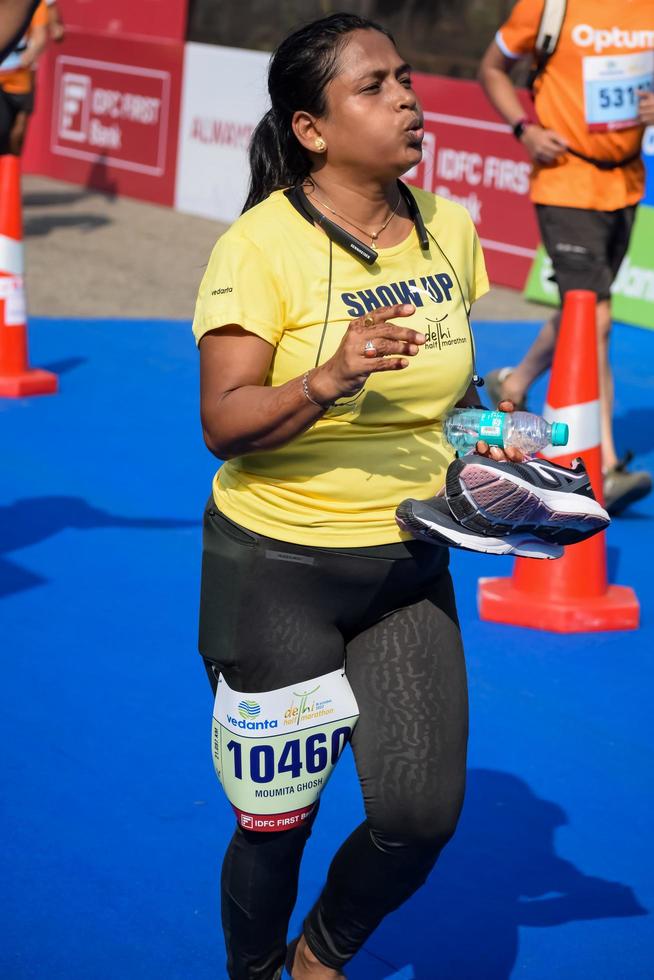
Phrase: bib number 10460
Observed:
(311, 754)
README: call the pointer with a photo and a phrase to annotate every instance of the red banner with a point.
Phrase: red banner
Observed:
(108, 115)
(470, 156)
(150, 18)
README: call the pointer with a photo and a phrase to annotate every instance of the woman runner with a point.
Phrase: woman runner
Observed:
(329, 353)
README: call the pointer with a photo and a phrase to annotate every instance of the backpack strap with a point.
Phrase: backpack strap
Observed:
(547, 37)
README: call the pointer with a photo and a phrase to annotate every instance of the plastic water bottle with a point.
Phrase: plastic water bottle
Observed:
(464, 427)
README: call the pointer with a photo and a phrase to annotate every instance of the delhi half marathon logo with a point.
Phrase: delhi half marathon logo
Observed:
(438, 336)
(304, 705)
(249, 710)
(307, 710)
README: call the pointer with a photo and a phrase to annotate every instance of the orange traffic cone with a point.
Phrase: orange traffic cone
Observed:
(16, 377)
(571, 594)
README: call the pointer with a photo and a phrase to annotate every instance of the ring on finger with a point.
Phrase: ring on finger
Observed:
(368, 321)
(369, 349)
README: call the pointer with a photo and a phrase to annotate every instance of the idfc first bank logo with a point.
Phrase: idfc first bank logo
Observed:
(75, 107)
(119, 112)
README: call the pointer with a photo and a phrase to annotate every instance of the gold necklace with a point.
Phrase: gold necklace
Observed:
(372, 235)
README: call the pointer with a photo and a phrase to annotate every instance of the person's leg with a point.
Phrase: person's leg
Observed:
(536, 361)
(408, 675)
(18, 133)
(21, 105)
(7, 114)
(583, 246)
(565, 246)
(514, 383)
(621, 486)
(257, 867)
(274, 615)
(609, 456)
(620, 227)
(587, 248)
(259, 883)
(256, 629)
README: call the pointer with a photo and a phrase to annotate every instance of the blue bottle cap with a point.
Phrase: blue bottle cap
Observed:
(560, 433)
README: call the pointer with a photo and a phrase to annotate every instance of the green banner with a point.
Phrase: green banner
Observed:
(633, 289)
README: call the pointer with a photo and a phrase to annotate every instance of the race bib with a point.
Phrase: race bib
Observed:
(274, 752)
(611, 86)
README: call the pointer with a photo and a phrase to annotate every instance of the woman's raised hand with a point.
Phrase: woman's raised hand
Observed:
(370, 344)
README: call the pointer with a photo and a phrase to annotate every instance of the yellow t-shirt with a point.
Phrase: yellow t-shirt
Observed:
(338, 484)
(587, 94)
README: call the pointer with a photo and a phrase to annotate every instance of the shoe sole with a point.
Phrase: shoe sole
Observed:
(484, 499)
(415, 520)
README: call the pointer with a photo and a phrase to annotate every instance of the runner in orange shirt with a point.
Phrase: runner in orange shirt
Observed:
(17, 83)
(591, 103)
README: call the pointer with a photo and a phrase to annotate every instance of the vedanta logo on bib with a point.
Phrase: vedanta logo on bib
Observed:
(251, 725)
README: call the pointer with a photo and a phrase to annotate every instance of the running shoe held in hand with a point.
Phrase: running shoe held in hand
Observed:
(431, 520)
(551, 502)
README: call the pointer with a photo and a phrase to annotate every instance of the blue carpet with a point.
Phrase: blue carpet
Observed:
(112, 823)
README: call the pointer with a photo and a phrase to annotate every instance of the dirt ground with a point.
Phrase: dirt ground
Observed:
(89, 255)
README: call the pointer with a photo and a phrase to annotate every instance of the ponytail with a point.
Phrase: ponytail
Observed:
(300, 69)
(276, 159)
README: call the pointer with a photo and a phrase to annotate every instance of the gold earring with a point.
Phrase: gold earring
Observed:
(320, 144)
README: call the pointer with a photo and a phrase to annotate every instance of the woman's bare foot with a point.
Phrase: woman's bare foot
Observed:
(307, 967)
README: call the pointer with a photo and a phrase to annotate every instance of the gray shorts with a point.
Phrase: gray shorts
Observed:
(586, 247)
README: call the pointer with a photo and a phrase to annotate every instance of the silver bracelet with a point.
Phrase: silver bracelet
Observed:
(307, 393)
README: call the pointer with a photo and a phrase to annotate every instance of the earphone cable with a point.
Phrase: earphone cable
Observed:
(348, 403)
(476, 379)
(329, 303)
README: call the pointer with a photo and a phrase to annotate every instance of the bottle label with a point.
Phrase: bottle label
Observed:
(490, 427)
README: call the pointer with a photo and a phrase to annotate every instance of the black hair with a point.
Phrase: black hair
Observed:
(299, 71)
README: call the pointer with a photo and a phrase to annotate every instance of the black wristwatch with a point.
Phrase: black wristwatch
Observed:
(520, 127)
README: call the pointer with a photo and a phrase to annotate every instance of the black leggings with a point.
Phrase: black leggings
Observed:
(274, 614)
